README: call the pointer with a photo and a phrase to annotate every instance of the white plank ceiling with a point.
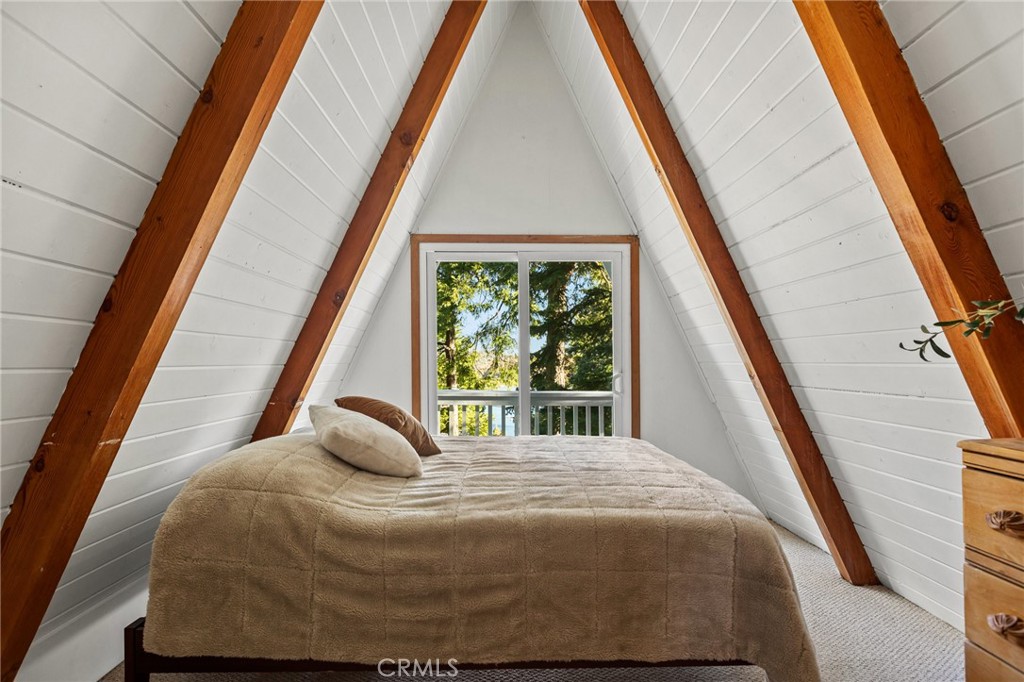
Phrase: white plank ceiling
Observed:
(816, 248)
(90, 118)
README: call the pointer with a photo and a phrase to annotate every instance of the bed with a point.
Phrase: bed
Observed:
(507, 551)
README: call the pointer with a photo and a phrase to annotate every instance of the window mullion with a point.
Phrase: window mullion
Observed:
(523, 419)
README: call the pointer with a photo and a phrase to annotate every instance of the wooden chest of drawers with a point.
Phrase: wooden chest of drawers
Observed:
(994, 573)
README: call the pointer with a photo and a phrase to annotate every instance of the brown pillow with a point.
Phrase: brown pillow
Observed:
(396, 418)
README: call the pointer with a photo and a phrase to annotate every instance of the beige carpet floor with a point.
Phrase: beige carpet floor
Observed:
(862, 634)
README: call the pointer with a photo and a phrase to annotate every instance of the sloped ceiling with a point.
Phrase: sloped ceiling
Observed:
(817, 250)
(815, 246)
(94, 98)
(90, 117)
(462, 92)
(523, 162)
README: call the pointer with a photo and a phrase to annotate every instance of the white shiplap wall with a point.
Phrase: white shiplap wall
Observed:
(659, 231)
(974, 90)
(94, 98)
(525, 116)
(394, 242)
(95, 95)
(816, 248)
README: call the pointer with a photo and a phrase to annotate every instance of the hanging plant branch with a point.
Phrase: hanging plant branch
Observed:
(979, 321)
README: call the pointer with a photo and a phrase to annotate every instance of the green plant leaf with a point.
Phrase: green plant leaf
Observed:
(981, 320)
(938, 350)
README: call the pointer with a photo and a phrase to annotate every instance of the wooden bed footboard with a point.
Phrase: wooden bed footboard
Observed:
(140, 664)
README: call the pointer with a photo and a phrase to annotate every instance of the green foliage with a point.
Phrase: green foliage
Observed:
(486, 357)
(981, 321)
(571, 314)
(477, 330)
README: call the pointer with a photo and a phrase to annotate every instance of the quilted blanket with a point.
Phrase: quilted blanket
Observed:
(507, 549)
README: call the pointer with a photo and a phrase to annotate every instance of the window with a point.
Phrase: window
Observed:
(525, 337)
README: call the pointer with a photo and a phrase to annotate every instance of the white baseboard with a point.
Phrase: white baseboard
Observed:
(85, 645)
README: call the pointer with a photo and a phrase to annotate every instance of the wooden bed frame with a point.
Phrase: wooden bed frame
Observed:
(139, 664)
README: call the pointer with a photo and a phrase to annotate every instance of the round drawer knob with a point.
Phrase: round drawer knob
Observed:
(1007, 521)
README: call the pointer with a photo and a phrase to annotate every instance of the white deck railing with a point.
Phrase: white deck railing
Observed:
(496, 413)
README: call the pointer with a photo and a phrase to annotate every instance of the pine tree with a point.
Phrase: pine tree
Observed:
(477, 327)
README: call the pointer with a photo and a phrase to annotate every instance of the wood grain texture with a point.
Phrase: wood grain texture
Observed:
(975, 557)
(141, 309)
(993, 483)
(678, 180)
(634, 292)
(982, 666)
(923, 194)
(987, 493)
(988, 594)
(1007, 448)
(368, 221)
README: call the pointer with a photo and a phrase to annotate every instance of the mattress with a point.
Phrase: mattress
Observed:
(505, 550)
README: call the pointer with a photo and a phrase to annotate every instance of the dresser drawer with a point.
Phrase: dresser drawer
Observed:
(984, 667)
(994, 500)
(987, 595)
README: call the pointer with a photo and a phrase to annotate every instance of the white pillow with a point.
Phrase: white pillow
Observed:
(364, 442)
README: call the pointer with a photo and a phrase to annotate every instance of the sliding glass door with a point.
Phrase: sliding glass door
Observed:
(475, 316)
(526, 339)
(572, 368)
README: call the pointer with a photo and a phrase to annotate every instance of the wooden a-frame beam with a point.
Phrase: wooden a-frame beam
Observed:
(926, 201)
(370, 217)
(141, 309)
(680, 184)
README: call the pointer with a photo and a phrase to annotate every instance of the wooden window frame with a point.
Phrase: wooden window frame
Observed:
(633, 242)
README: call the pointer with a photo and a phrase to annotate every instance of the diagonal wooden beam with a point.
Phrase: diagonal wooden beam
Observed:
(371, 215)
(140, 311)
(926, 201)
(680, 184)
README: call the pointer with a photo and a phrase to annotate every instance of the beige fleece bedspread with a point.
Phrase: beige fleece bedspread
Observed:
(518, 549)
